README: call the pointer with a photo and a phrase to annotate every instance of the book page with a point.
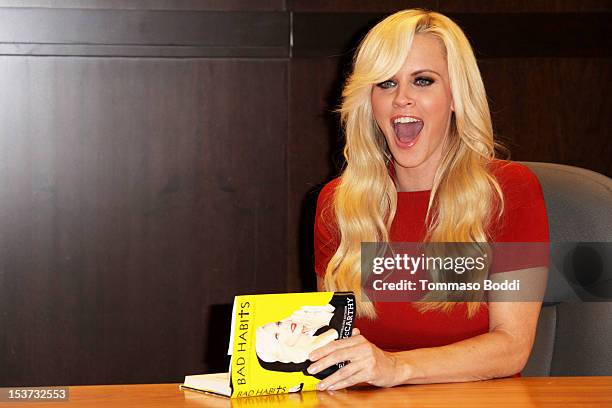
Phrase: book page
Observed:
(230, 347)
(217, 383)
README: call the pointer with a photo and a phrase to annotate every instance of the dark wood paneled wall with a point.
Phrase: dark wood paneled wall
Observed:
(138, 194)
(158, 157)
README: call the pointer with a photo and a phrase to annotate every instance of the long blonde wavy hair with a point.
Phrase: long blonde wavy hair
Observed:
(465, 196)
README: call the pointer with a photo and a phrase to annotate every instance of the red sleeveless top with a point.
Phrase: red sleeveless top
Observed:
(401, 326)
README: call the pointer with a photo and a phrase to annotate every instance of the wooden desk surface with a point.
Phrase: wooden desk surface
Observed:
(510, 392)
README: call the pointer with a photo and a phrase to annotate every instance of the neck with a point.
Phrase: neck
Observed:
(413, 179)
(419, 178)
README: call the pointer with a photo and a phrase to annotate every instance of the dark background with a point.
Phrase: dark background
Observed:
(158, 157)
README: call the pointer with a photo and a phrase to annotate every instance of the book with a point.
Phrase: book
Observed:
(271, 338)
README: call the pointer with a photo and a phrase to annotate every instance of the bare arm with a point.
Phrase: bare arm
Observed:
(501, 352)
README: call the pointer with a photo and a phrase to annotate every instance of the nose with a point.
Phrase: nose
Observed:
(402, 97)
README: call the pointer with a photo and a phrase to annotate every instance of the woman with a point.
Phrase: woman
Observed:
(421, 168)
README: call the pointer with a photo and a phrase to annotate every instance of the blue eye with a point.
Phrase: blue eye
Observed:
(386, 84)
(423, 81)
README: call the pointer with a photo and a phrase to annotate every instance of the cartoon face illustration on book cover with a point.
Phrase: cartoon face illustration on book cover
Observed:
(284, 345)
(281, 333)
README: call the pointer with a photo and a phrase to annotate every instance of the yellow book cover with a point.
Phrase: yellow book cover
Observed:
(272, 336)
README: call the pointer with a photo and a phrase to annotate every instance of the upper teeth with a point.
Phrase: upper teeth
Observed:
(405, 119)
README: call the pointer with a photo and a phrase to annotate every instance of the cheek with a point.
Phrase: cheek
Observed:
(438, 109)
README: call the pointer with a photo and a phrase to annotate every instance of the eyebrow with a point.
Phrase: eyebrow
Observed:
(420, 71)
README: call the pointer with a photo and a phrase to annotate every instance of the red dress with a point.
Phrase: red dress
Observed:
(401, 326)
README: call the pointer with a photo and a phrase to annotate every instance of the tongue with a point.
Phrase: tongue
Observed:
(407, 132)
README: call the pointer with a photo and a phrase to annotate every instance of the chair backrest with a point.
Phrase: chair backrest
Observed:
(575, 338)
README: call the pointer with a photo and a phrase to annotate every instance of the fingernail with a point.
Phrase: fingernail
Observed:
(330, 388)
(312, 369)
(321, 386)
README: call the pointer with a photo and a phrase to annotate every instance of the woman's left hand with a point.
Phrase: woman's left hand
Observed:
(368, 363)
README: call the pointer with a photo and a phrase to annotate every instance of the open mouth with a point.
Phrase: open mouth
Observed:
(406, 129)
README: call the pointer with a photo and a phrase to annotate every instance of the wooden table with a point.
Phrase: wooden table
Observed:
(510, 392)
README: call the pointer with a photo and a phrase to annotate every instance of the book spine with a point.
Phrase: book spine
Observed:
(349, 316)
(242, 342)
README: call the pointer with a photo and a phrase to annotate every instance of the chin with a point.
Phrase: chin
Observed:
(407, 163)
(408, 160)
